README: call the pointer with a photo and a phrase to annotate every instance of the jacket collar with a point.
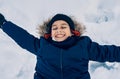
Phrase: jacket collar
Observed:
(69, 42)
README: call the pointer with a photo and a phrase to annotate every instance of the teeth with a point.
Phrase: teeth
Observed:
(60, 35)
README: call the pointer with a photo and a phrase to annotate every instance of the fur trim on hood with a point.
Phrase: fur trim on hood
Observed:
(42, 29)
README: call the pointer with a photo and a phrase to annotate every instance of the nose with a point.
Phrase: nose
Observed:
(59, 30)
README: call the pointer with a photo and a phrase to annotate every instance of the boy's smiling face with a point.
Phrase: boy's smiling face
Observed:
(60, 30)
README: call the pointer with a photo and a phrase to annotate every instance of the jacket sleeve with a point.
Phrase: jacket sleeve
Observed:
(103, 53)
(21, 37)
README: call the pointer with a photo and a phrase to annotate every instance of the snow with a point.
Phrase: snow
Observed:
(101, 17)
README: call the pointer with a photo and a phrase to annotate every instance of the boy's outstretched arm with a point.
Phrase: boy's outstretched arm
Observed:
(103, 53)
(19, 35)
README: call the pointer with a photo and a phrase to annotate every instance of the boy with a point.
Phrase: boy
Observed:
(62, 53)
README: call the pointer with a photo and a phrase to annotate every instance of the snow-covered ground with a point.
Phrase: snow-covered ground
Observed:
(101, 17)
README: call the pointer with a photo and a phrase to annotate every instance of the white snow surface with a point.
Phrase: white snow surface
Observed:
(101, 18)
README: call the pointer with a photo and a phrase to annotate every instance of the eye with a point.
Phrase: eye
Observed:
(63, 27)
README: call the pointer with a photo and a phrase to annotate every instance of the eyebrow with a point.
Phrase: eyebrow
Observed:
(54, 25)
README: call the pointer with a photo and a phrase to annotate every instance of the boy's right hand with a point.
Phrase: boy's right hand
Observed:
(2, 20)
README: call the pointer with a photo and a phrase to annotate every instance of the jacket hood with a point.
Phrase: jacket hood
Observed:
(43, 28)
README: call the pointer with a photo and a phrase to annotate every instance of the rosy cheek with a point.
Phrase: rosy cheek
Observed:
(53, 34)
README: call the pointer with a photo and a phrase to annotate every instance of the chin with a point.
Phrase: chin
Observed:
(60, 40)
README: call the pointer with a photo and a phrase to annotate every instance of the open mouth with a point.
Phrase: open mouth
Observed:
(59, 35)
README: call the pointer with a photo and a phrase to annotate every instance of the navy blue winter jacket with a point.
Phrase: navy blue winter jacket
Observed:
(54, 62)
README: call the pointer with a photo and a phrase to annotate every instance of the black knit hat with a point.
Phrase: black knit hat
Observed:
(61, 17)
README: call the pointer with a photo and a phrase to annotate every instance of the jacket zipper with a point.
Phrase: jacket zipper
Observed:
(61, 63)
